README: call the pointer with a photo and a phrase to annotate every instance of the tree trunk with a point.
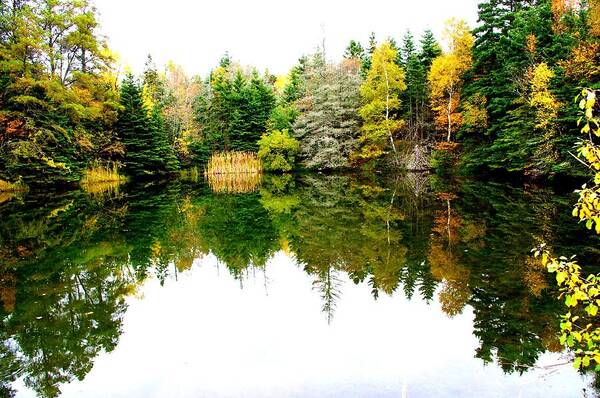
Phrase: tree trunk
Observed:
(449, 116)
(387, 113)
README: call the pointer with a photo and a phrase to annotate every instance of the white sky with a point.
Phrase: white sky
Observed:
(269, 34)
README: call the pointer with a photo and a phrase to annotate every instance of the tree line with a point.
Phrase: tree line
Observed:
(495, 97)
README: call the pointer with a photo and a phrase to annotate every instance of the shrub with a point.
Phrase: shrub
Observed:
(444, 157)
(278, 150)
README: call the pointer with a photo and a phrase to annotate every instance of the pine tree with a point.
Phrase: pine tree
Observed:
(512, 40)
(428, 51)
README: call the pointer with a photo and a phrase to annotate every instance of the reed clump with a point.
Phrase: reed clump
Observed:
(102, 173)
(7, 186)
(234, 163)
(102, 179)
(10, 190)
(234, 172)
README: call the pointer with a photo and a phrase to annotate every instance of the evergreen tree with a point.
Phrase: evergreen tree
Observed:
(366, 64)
(513, 39)
(147, 148)
(430, 49)
(415, 76)
(328, 125)
(153, 84)
(424, 117)
(294, 88)
(234, 114)
(354, 51)
(225, 60)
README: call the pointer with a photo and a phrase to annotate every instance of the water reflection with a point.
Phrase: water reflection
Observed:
(70, 260)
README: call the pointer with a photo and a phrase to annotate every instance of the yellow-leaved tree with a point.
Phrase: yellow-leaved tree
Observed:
(581, 293)
(445, 75)
(380, 92)
(542, 99)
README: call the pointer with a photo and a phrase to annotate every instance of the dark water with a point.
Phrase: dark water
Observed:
(328, 286)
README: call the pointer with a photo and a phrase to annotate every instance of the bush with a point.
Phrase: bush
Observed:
(278, 151)
(282, 117)
(444, 157)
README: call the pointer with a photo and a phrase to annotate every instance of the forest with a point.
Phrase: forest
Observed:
(493, 99)
(392, 165)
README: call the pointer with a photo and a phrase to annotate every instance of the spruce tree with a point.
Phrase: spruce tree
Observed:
(147, 148)
(366, 64)
(512, 38)
(415, 80)
(354, 51)
(419, 68)
(329, 126)
(430, 49)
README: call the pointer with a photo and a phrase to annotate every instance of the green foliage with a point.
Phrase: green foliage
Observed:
(414, 107)
(328, 125)
(148, 151)
(278, 151)
(354, 51)
(367, 58)
(581, 293)
(234, 110)
(380, 94)
(295, 88)
(58, 101)
(282, 117)
(514, 41)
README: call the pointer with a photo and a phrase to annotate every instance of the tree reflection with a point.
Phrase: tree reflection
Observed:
(67, 261)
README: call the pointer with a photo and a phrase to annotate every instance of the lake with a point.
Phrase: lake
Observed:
(287, 286)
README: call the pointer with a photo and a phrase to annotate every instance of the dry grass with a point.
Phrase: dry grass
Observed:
(234, 172)
(10, 190)
(234, 163)
(6, 186)
(101, 180)
(101, 174)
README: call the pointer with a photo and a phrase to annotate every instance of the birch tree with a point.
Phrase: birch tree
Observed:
(380, 94)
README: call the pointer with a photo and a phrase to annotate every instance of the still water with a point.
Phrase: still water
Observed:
(308, 286)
